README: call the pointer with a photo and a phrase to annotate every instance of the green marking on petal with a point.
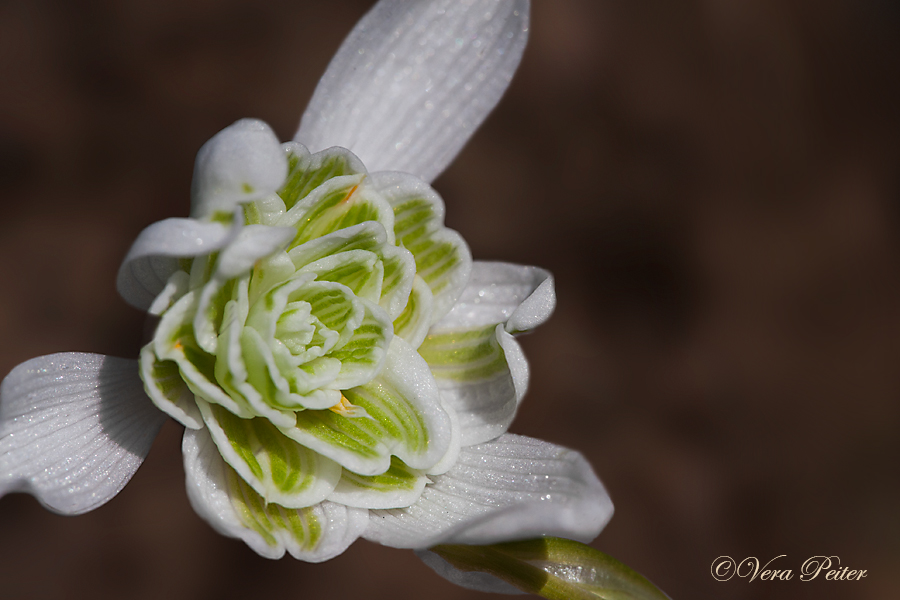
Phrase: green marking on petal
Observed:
(412, 217)
(442, 257)
(369, 236)
(210, 312)
(334, 307)
(202, 268)
(360, 270)
(174, 340)
(464, 355)
(399, 419)
(355, 443)
(398, 487)
(363, 354)
(407, 317)
(399, 275)
(405, 402)
(202, 361)
(168, 391)
(262, 371)
(238, 438)
(403, 416)
(413, 323)
(434, 259)
(250, 507)
(269, 272)
(272, 521)
(337, 204)
(398, 477)
(307, 172)
(252, 214)
(279, 469)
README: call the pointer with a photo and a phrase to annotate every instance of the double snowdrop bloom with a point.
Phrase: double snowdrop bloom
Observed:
(341, 366)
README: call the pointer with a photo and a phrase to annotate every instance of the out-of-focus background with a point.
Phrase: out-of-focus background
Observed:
(714, 184)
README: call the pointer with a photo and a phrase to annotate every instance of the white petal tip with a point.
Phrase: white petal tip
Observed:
(241, 163)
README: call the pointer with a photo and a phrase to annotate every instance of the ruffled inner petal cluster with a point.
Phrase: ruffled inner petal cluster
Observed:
(341, 349)
(293, 347)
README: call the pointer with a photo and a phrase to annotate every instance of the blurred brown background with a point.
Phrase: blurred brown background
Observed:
(714, 184)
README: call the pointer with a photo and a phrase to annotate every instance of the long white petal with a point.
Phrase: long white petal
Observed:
(218, 494)
(153, 256)
(414, 80)
(509, 489)
(522, 297)
(73, 429)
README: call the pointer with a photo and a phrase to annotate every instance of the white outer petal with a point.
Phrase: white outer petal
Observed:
(414, 80)
(509, 489)
(207, 491)
(243, 162)
(520, 296)
(74, 428)
(153, 256)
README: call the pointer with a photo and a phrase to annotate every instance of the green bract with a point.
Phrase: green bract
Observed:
(295, 343)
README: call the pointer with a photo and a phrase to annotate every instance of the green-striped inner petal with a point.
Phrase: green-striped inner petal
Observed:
(399, 275)
(306, 173)
(359, 270)
(356, 443)
(412, 324)
(399, 419)
(211, 311)
(398, 487)
(279, 469)
(166, 388)
(418, 226)
(174, 340)
(464, 355)
(369, 236)
(338, 204)
(272, 521)
(333, 305)
(398, 477)
(363, 354)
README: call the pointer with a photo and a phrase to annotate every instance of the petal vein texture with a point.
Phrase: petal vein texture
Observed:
(414, 80)
(511, 488)
(74, 428)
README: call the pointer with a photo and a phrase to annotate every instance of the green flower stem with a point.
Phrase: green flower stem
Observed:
(554, 568)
